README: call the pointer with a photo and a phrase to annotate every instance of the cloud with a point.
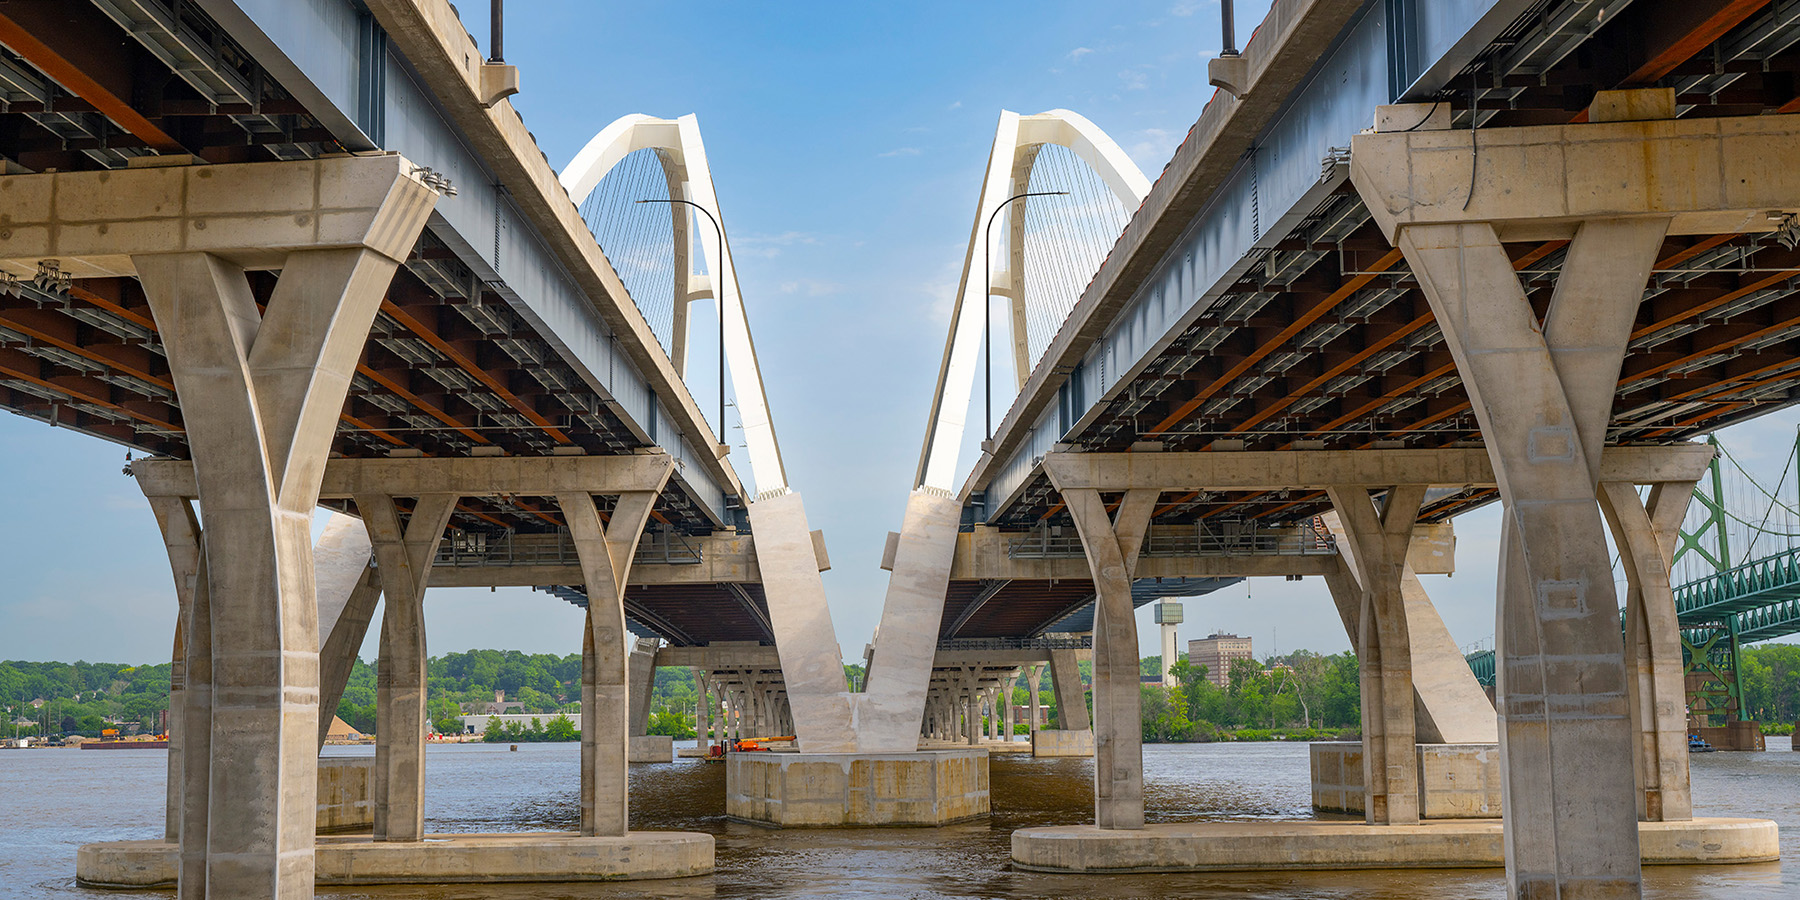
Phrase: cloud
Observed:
(1153, 148)
(1187, 7)
(1076, 54)
(811, 287)
(956, 105)
(901, 151)
(1134, 81)
(768, 246)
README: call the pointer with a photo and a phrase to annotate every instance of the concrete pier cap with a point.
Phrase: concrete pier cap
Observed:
(1271, 846)
(788, 790)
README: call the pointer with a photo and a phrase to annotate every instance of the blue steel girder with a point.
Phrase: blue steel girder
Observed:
(335, 58)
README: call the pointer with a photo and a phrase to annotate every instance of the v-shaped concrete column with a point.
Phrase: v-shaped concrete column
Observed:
(1542, 392)
(1112, 543)
(1376, 543)
(261, 396)
(260, 393)
(606, 551)
(404, 557)
(1646, 532)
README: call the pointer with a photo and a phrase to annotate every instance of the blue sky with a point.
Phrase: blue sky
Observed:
(847, 142)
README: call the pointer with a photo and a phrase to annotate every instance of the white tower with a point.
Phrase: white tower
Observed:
(1168, 615)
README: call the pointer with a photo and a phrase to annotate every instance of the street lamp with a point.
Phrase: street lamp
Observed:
(717, 267)
(987, 298)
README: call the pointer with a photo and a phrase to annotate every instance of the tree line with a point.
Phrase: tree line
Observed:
(1300, 695)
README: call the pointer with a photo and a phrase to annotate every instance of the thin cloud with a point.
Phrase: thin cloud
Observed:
(1076, 54)
(956, 105)
(901, 151)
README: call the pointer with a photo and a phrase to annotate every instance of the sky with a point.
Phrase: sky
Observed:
(847, 143)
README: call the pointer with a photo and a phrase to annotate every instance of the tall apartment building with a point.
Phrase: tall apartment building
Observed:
(1216, 652)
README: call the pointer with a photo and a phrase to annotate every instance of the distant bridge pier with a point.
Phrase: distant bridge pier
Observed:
(1542, 393)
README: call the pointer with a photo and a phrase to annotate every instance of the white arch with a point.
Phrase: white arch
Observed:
(811, 662)
(677, 142)
(1017, 141)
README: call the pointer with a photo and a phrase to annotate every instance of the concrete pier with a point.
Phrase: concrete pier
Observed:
(438, 859)
(1265, 846)
(839, 789)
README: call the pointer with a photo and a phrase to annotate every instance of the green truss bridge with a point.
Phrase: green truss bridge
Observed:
(1723, 604)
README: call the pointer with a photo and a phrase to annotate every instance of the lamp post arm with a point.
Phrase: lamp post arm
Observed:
(987, 298)
(717, 267)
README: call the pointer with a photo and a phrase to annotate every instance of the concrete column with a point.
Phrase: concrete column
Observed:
(1036, 678)
(348, 584)
(172, 731)
(606, 553)
(702, 715)
(642, 675)
(1375, 547)
(973, 711)
(190, 735)
(1543, 392)
(1007, 714)
(1065, 686)
(801, 620)
(900, 671)
(1112, 543)
(1646, 533)
(262, 391)
(404, 555)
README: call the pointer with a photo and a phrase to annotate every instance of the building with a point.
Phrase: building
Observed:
(476, 724)
(1216, 652)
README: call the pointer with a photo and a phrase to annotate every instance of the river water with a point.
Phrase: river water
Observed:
(51, 801)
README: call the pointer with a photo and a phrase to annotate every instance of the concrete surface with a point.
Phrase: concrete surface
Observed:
(1456, 781)
(1264, 846)
(835, 789)
(1047, 742)
(345, 785)
(439, 859)
(652, 748)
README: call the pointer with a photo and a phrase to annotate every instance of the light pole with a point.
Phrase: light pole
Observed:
(717, 267)
(987, 297)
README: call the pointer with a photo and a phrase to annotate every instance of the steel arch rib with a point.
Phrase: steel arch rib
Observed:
(1017, 140)
(684, 156)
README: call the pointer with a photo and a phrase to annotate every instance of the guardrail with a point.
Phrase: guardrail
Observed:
(1310, 539)
(1741, 589)
(1068, 642)
(475, 548)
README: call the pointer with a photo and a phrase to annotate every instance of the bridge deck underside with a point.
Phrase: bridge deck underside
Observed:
(450, 368)
(1326, 341)
(1030, 607)
(692, 615)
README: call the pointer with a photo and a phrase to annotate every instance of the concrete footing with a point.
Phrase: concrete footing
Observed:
(343, 800)
(831, 789)
(439, 859)
(1456, 781)
(1267, 846)
(1048, 742)
(652, 748)
(1732, 736)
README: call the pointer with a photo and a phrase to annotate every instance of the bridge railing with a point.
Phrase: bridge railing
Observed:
(1708, 598)
(1310, 539)
(474, 548)
(1042, 642)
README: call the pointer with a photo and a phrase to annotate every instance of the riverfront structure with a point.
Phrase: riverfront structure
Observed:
(1217, 652)
(1414, 258)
